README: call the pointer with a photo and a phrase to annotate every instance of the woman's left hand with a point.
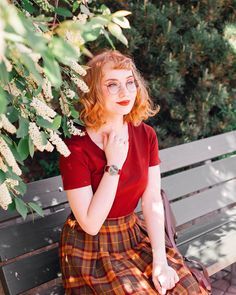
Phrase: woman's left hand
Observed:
(164, 278)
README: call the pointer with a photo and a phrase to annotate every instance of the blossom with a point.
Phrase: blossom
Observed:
(73, 130)
(6, 124)
(69, 93)
(47, 88)
(43, 110)
(36, 137)
(60, 145)
(77, 68)
(5, 197)
(64, 107)
(8, 156)
(80, 83)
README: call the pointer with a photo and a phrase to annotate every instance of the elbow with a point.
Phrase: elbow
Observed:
(90, 230)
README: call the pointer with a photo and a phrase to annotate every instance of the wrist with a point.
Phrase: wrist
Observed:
(112, 170)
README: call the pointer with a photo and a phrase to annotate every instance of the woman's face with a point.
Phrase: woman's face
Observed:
(118, 90)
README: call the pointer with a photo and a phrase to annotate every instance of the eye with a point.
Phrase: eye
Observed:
(131, 83)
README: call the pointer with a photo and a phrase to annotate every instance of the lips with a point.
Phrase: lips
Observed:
(123, 102)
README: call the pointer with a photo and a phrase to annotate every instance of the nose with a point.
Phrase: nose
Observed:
(123, 91)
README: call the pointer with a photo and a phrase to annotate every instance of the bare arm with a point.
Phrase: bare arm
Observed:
(154, 214)
(164, 277)
(90, 209)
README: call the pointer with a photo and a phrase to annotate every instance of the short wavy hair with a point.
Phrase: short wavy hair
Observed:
(91, 104)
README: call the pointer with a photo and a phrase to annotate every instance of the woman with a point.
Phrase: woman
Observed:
(105, 248)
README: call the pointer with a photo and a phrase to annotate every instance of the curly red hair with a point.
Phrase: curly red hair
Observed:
(91, 104)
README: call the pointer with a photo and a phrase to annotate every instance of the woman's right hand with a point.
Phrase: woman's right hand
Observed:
(115, 148)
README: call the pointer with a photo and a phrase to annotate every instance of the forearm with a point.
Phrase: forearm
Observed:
(154, 217)
(102, 201)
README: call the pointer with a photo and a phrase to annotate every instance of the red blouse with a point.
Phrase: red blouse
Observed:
(85, 166)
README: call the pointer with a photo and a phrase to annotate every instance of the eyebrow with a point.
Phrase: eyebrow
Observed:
(117, 79)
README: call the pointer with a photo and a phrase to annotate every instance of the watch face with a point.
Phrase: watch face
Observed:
(113, 170)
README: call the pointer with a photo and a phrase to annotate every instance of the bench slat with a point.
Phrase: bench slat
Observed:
(205, 202)
(216, 249)
(195, 179)
(30, 272)
(19, 239)
(197, 151)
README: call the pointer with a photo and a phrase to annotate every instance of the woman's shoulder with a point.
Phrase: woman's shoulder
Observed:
(77, 140)
(144, 128)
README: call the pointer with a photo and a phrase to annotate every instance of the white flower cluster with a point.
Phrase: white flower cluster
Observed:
(60, 145)
(5, 197)
(11, 88)
(6, 124)
(47, 89)
(81, 18)
(73, 130)
(64, 106)
(36, 137)
(43, 110)
(69, 93)
(77, 68)
(80, 83)
(8, 156)
(3, 167)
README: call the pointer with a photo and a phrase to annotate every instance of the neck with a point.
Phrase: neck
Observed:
(116, 124)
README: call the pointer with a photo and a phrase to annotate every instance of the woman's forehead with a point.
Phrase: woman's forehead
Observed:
(109, 71)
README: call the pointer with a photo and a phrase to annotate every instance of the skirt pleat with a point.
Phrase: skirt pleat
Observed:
(116, 261)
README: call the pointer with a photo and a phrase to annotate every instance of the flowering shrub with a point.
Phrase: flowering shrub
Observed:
(40, 72)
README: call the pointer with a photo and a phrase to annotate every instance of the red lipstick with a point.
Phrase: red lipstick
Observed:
(123, 103)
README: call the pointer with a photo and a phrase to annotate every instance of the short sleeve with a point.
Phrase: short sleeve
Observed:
(74, 169)
(154, 150)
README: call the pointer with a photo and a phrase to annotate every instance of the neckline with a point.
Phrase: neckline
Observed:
(94, 144)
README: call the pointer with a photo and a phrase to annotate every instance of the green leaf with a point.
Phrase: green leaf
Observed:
(121, 13)
(31, 147)
(63, 12)
(21, 187)
(65, 127)
(44, 138)
(52, 70)
(23, 128)
(2, 176)
(12, 206)
(43, 123)
(114, 29)
(26, 5)
(122, 22)
(36, 208)
(4, 76)
(104, 32)
(63, 51)
(75, 6)
(23, 148)
(28, 62)
(13, 114)
(74, 112)
(3, 101)
(21, 207)
(56, 122)
(105, 10)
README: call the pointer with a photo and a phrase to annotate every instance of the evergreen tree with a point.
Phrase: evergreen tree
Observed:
(185, 50)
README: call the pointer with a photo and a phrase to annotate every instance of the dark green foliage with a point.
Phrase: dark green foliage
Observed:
(180, 48)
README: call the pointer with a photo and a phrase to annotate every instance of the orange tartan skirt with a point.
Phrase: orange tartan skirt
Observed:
(116, 261)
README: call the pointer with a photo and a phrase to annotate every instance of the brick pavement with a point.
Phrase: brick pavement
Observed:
(224, 282)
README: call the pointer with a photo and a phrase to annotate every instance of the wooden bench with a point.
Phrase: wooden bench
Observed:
(200, 180)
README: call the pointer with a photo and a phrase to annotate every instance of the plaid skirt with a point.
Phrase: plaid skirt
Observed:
(116, 261)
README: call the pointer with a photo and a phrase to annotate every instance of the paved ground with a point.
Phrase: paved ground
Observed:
(224, 283)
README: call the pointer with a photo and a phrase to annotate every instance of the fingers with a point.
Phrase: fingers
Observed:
(157, 285)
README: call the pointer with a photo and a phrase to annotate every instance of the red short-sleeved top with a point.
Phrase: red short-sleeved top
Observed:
(85, 166)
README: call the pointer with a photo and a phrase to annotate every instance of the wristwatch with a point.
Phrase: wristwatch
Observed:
(112, 169)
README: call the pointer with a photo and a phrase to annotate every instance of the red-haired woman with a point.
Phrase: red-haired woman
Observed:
(105, 247)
